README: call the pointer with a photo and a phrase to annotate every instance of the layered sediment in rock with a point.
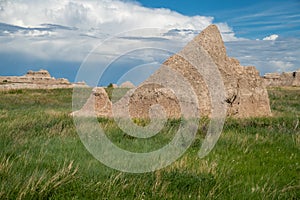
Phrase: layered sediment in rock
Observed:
(245, 92)
(246, 95)
(36, 80)
(284, 79)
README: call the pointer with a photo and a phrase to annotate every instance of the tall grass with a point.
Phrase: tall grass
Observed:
(42, 156)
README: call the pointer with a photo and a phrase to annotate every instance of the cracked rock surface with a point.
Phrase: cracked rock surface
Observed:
(245, 91)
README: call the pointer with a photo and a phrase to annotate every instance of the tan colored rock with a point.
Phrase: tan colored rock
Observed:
(114, 85)
(272, 75)
(285, 79)
(139, 102)
(296, 81)
(80, 84)
(36, 80)
(97, 104)
(246, 95)
(127, 84)
(39, 74)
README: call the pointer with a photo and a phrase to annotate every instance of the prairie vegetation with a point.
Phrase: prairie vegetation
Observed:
(42, 156)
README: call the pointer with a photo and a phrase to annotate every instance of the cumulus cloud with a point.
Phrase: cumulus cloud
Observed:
(68, 30)
(110, 15)
(271, 37)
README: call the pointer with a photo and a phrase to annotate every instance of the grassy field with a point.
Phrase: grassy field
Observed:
(42, 156)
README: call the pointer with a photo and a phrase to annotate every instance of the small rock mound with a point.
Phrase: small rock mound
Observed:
(97, 104)
(127, 84)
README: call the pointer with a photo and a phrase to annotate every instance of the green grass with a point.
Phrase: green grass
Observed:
(42, 156)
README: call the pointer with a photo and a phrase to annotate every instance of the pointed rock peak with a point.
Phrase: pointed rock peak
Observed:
(209, 33)
(211, 40)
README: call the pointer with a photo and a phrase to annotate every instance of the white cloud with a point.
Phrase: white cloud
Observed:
(110, 15)
(88, 22)
(281, 66)
(32, 33)
(271, 37)
(107, 16)
(276, 56)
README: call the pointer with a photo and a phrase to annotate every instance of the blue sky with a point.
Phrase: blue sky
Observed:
(58, 35)
(250, 19)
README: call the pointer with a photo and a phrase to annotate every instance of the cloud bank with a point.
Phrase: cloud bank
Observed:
(106, 16)
(72, 27)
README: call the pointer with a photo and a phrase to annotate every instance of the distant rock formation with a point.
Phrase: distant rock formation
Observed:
(38, 74)
(127, 84)
(284, 79)
(246, 95)
(36, 80)
(114, 86)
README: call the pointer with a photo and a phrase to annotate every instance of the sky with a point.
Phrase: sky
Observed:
(128, 40)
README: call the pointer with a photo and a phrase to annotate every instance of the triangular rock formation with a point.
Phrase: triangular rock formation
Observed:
(246, 95)
(245, 92)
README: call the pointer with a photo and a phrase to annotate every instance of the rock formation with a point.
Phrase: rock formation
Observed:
(284, 79)
(246, 95)
(296, 81)
(39, 74)
(114, 85)
(127, 84)
(97, 104)
(141, 99)
(36, 80)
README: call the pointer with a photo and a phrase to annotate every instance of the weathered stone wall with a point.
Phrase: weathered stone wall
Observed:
(284, 79)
